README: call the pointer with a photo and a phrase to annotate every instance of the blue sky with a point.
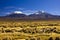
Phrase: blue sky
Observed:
(29, 6)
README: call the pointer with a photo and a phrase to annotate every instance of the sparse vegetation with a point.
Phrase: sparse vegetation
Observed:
(30, 30)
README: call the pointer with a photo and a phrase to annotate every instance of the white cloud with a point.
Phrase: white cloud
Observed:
(21, 8)
(29, 11)
(9, 7)
(55, 12)
(7, 13)
(16, 8)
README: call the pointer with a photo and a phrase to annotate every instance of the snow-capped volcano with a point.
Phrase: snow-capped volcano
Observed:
(37, 15)
(16, 14)
(43, 15)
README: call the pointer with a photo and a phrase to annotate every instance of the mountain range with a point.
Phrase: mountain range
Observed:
(35, 16)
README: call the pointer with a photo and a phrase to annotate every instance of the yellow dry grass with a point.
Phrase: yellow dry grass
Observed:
(29, 30)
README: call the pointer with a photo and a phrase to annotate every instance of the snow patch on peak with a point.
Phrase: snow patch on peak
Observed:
(18, 12)
(40, 12)
(43, 11)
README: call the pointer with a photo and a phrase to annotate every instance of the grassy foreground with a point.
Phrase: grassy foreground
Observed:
(29, 30)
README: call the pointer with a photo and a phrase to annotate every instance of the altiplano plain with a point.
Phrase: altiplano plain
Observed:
(30, 30)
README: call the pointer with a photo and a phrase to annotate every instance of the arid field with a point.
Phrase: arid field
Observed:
(29, 30)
